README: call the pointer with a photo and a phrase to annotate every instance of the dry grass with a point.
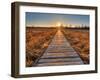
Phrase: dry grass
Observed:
(37, 40)
(79, 39)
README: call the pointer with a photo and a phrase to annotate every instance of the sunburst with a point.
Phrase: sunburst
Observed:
(58, 24)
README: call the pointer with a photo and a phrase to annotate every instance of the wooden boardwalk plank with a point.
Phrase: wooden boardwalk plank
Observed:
(59, 60)
(59, 52)
(60, 63)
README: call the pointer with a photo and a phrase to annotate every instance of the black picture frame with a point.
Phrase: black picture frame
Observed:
(15, 38)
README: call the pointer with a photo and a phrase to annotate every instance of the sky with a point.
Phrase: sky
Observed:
(51, 19)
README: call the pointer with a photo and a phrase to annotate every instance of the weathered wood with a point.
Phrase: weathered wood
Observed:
(59, 52)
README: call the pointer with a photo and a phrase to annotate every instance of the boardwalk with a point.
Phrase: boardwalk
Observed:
(59, 52)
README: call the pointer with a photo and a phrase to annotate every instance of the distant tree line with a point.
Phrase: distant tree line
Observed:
(76, 27)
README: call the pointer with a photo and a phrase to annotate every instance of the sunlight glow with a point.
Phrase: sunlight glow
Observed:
(58, 24)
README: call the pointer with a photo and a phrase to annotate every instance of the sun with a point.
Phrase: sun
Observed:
(58, 24)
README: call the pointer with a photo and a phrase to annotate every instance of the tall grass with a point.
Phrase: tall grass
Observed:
(79, 39)
(37, 40)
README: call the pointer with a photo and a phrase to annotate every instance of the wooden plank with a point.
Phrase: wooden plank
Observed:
(48, 60)
(59, 64)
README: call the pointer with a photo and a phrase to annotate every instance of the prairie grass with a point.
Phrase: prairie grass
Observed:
(37, 40)
(79, 39)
